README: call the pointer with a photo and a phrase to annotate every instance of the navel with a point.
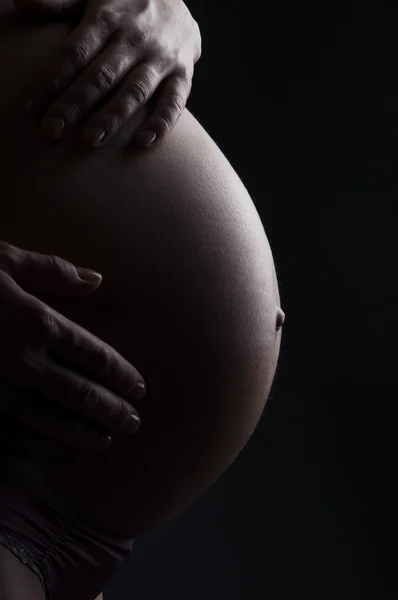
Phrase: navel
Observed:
(280, 318)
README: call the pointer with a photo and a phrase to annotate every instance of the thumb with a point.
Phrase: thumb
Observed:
(46, 7)
(45, 273)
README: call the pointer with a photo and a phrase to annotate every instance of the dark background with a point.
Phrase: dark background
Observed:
(301, 97)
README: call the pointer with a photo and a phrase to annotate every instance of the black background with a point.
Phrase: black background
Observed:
(301, 98)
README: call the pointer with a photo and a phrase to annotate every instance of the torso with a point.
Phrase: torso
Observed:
(189, 293)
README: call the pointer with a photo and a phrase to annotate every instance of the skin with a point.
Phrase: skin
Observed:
(17, 582)
(50, 353)
(189, 294)
(146, 49)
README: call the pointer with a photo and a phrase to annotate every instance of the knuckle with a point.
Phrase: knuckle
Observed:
(72, 112)
(115, 120)
(160, 53)
(164, 123)
(77, 54)
(4, 247)
(9, 257)
(57, 265)
(105, 359)
(107, 16)
(139, 37)
(177, 103)
(198, 55)
(55, 86)
(90, 396)
(184, 72)
(175, 107)
(199, 41)
(45, 321)
(104, 78)
(140, 91)
(28, 361)
(123, 411)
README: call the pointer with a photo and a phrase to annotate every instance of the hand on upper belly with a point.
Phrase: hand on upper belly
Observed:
(147, 51)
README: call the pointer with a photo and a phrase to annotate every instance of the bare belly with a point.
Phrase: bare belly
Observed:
(189, 292)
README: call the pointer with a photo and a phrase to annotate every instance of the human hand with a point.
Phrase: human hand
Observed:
(40, 348)
(144, 47)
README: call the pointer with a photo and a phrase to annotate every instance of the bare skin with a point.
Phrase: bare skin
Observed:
(189, 294)
(17, 582)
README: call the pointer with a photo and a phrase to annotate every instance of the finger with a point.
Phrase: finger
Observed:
(77, 348)
(82, 396)
(135, 91)
(171, 100)
(80, 48)
(91, 87)
(46, 273)
(16, 437)
(40, 415)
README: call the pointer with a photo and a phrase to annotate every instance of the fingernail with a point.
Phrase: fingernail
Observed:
(139, 390)
(35, 104)
(133, 423)
(53, 127)
(87, 275)
(94, 135)
(147, 137)
(103, 442)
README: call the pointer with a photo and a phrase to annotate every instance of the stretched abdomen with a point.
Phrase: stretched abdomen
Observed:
(189, 292)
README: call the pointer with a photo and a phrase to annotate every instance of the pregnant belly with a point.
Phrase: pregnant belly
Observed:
(189, 293)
